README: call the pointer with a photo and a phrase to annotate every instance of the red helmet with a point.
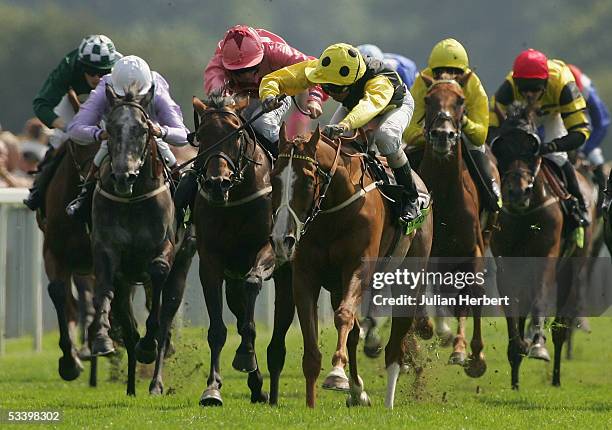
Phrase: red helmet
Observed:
(530, 64)
(241, 48)
(577, 76)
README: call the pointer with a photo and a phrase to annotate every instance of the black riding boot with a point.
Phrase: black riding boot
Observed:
(410, 206)
(580, 213)
(492, 194)
(44, 174)
(80, 208)
(185, 193)
(600, 180)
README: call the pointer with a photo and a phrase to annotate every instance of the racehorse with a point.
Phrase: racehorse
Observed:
(316, 187)
(133, 236)
(455, 197)
(232, 217)
(67, 254)
(531, 225)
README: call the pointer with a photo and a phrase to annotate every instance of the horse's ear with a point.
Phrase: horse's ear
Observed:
(148, 97)
(463, 79)
(316, 136)
(111, 95)
(428, 81)
(282, 134)
(198, 105)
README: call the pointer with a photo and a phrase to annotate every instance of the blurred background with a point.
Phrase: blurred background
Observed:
(178, 37)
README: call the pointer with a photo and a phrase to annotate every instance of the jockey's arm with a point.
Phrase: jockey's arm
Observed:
(168, 115)
(290, 80)
(413, 135)
(476, 118)
(215, 76)
(600, 121)
(377, 94)
(51, 93)
(572, 108)
(85, 126)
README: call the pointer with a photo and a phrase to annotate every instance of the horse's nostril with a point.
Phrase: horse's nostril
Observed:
(451, 135)
(132, 177)
(208, 184)
(289, 241)
(113, 177)
(226, 184)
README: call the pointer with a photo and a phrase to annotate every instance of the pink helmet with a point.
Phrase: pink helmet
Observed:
(241, 48)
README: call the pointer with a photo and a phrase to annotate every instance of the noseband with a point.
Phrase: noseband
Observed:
(444, 115)
(149, 132)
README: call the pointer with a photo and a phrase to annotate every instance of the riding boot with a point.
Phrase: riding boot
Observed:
(185, 193)
(44, 174)
(579, 211)
(491, 193)
(80, 208)
(600, 180)
(409, 206)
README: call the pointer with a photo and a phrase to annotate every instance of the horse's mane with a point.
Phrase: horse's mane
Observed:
(521, 116)
(216, 100)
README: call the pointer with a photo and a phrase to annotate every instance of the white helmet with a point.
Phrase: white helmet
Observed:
(131, 73)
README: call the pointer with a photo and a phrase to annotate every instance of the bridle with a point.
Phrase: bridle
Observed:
(147, 144)
(321, 187)
(444, 115)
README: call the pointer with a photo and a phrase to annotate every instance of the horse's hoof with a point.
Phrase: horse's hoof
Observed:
(475, 367)
(145, 355)
(244, 362)
(446, 338)
(84, 353)
(457, 358)
(156, 388)
(424, 328)
(372, 351)
(211, 397)
(362, 400)
(336, 380)
(69, 368)
(102, 345)
(261, 397)
(539, 352)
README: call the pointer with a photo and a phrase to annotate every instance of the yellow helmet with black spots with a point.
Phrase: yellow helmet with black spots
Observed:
(448, 53)
(339, 64)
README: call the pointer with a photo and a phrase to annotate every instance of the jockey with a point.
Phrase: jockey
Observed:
(551, 87)
(449, 57)
(599, 118)
(369, 93)
(80, 70)
(405, 67)
(241, 59)
(166, 120)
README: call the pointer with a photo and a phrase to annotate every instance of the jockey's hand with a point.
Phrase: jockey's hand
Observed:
(334, 130)
(102, 136)
(155, 129)
(271, 103)
(314, 108)
(548, 147)
(59, 123)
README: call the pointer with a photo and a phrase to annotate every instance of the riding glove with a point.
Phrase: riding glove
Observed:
(334, 130)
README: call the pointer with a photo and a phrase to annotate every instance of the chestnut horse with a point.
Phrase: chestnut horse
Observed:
(531, 225)
(457, 227)
(316, 185)
(233, 217)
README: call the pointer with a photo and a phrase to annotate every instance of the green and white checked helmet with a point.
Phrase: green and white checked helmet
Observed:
(98, 52)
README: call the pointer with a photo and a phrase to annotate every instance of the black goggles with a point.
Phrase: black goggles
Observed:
(530, 85)
(335, 89)
(246, 70)
(95, 72)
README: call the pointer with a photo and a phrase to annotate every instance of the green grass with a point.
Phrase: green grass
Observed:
(444, 398)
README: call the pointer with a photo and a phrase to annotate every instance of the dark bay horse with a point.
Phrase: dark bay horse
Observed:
(133, 234)
(233, 217)
(531, 225)
(316, 184)
(457, 227)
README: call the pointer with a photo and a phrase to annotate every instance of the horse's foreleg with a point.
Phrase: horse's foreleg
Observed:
(358, 396)
(559, 334)
(476, 365)
(85, 288)
(306, 293)
(105, 269)
(211, 280)
(459, 356)
(129, 330)
(284, 310)
(394, 353)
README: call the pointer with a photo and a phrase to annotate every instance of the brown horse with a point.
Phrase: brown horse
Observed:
(457, 206)
(316, 185)
(233, 217)
(531, 225)
(67, 253)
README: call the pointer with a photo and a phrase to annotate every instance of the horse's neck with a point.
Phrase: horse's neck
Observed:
(257, 174)
(146, 180)
(342, 183)
(446, 175)
(542, 192)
